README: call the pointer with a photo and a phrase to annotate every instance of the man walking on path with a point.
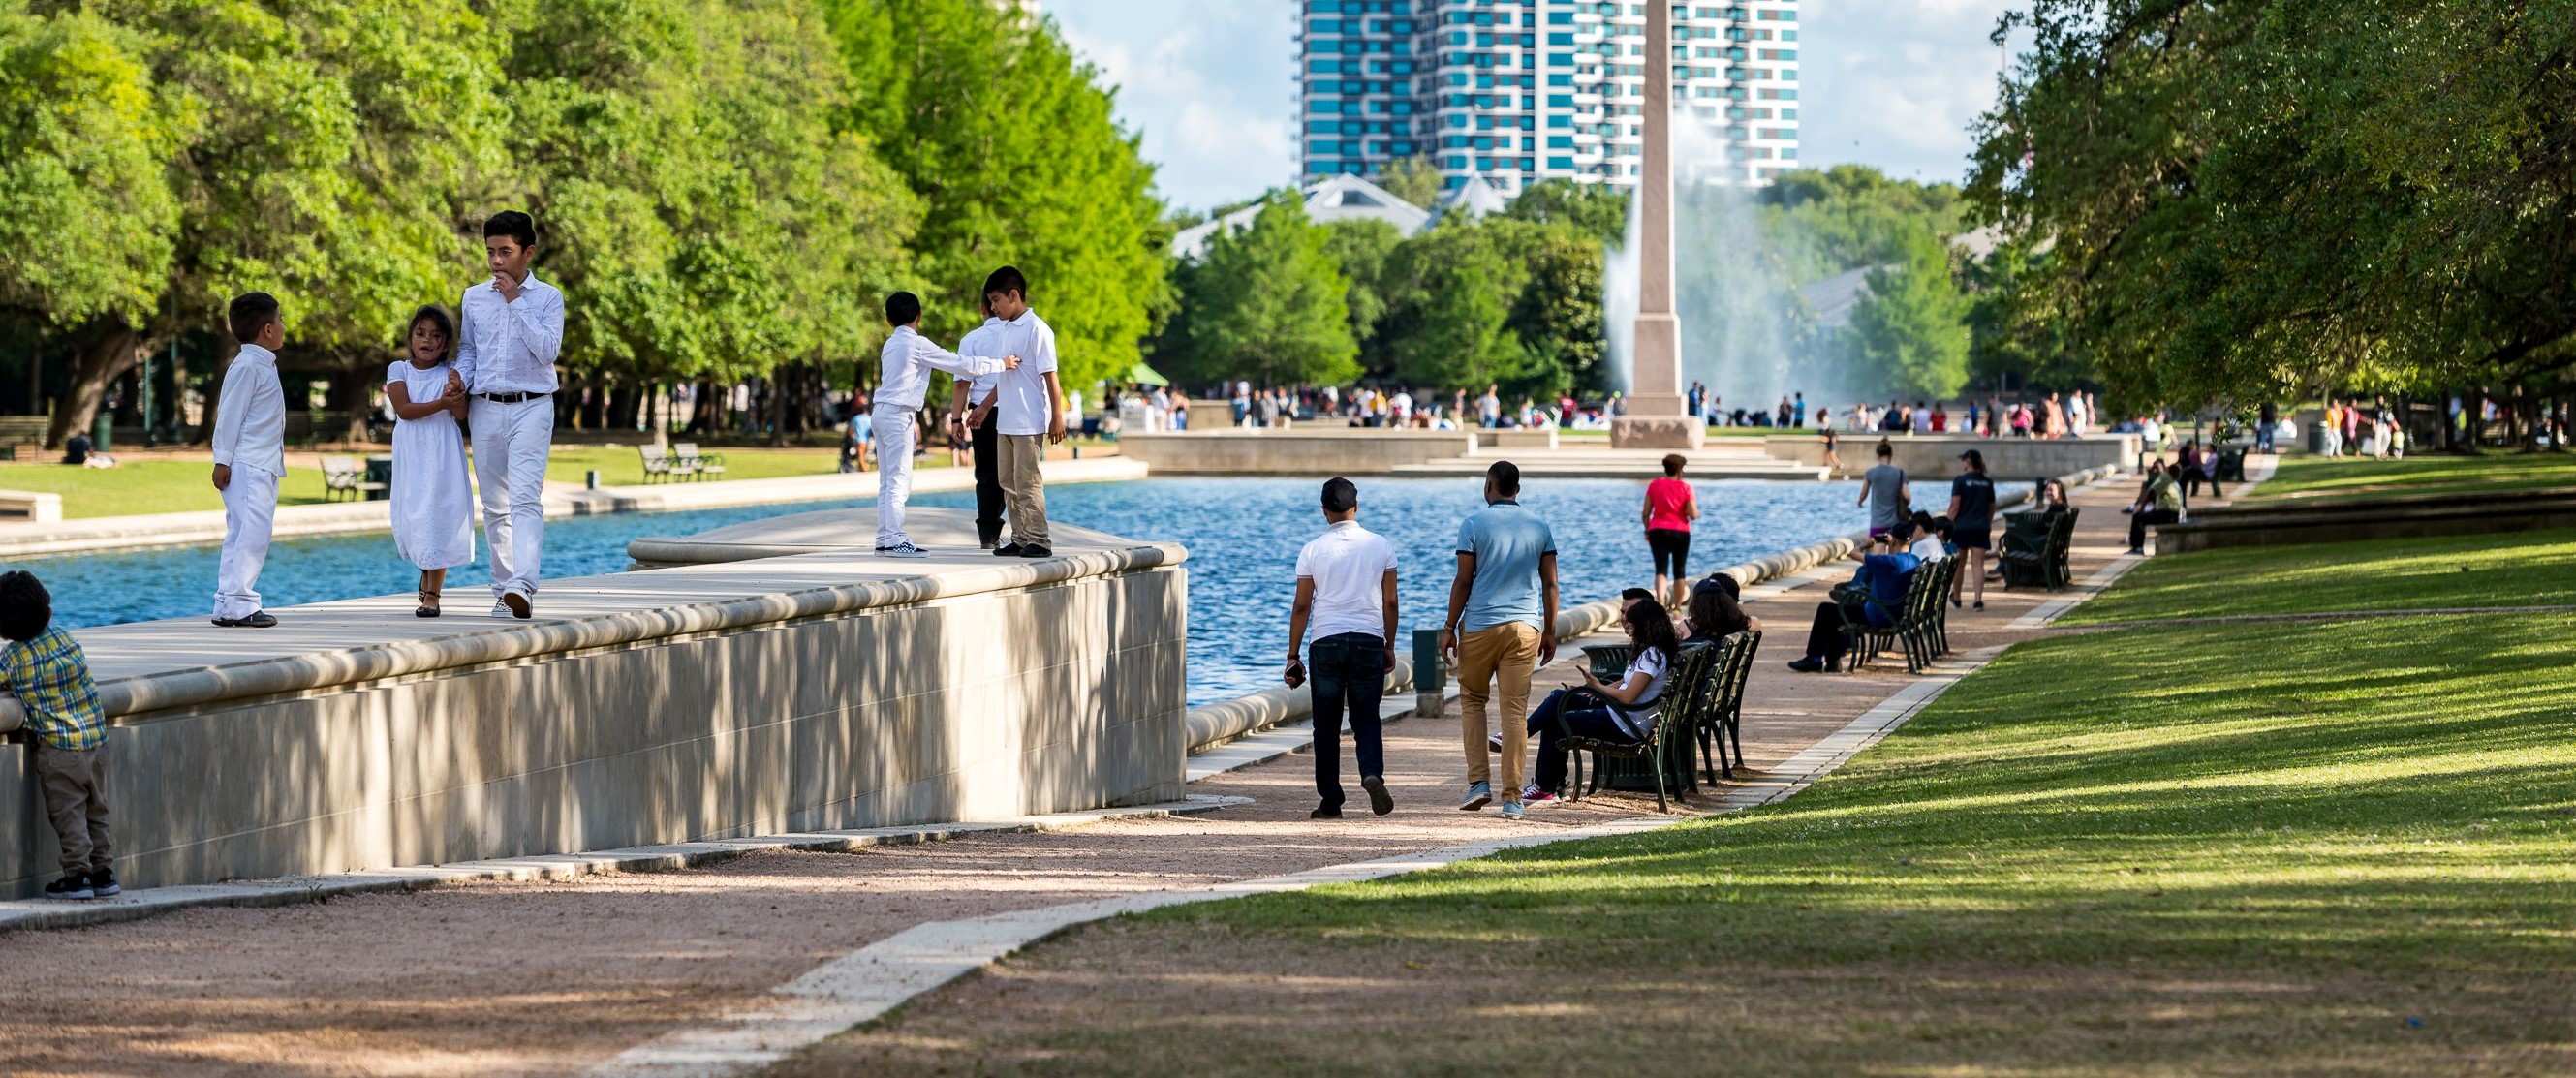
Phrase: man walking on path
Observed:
(1030, 404)
(1346, 592)
(509, 329)
(1501, 623)
(971, 420)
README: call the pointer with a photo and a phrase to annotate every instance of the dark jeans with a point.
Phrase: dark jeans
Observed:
(1825, 637)
(2139, 520)
(1584, 715)
(988, 480)
(2191, 482)
(1348, 672)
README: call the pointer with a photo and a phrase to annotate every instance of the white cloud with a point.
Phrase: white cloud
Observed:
(1895, 83)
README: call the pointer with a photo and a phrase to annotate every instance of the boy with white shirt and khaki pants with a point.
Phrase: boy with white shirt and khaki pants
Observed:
(1028, 410)
(250, 457)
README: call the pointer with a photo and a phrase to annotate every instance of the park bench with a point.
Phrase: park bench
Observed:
(657, 463)
(1911, 629)
(2035, 548)
(1691, 672)
(33, 506)
(1720, 715)
(344, 475)
(697, 465)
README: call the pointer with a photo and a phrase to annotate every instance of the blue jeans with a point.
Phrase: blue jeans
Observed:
(1348, 672)
(1584, 716)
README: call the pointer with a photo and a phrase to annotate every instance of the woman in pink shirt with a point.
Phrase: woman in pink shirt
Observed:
(1670, 508)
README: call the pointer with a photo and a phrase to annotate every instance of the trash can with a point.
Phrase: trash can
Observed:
(99, 428)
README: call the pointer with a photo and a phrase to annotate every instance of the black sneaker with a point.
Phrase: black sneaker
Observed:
(1807, 665)
(72, 885)
(1835, 666)
(1036, 550)
(1007, 550)
(102, 883)
(1325, 812)
(256, 619)
(1379, 802)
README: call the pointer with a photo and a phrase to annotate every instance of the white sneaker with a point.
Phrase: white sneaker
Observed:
(501, 609)
(907, 550)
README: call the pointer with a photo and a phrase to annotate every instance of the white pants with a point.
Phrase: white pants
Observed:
(894, 471)
(250, 502)
(510, 446)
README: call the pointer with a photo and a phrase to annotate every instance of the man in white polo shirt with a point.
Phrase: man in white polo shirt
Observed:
(1346, 591)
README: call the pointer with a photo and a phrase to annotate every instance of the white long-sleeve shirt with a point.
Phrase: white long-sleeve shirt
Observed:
(250, 413)
(908, 360)
(509, 347)
(980, 387)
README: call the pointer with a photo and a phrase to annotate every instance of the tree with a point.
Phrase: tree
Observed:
(1591, 209)
(1361, 247)
(1450, 290)
(1557, 317)
(1911, 330)
(1414, 179)
(1265, 303)
(1018, 159)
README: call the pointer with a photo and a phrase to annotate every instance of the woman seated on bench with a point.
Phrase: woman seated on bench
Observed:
(1717, 611)
(1610, 712)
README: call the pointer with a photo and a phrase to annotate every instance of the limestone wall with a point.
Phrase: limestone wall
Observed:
(1336, 450)
(718, 702)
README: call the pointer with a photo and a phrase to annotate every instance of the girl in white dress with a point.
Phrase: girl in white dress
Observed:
(433, 510)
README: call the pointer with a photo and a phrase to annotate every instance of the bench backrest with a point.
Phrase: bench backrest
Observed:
(339, 465)
(653, 454)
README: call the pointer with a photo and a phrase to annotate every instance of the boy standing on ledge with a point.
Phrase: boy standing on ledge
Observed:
(1030, 410)
(250, 456)
(908, 359)
(43, 666)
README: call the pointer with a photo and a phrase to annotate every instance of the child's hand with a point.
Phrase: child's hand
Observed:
(1010, 363)
(455, 385)
(223, 476)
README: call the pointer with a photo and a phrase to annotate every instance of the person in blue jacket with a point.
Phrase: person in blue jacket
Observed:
(1881, 579)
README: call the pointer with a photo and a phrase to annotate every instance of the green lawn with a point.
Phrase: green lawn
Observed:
(2305, 477)
(141, 484)
(2280, 849)
(621, 466)
(2512, 569)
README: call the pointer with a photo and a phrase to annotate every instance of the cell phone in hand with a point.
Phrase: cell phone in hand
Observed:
(1296, 673)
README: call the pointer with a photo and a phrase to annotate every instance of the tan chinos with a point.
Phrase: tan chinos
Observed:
(1508, 651)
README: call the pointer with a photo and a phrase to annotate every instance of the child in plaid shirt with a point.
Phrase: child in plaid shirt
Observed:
(43, 666)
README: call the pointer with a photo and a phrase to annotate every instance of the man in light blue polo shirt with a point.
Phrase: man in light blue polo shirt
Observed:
(1502, 621)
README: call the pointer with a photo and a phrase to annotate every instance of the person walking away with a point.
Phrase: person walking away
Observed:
(971, 420)
(48, 678)
(2265, 421)
(1671, 506)
(1884, 490)
(1181, 411)
(904, 379)
(2163, 497)
(1972, 522)
(433, 502)
(1346, 594)
(1031, 403)
(250, 457)
(509, 330)
(1798, 411)
(1623, 711)
(1501, 625)
(1833, 457)
(1489, 408)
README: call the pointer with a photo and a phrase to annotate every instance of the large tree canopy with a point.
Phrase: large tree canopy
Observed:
(2250, 197)
(1268, 303)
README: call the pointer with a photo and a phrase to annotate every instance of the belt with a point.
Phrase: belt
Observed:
(511, 398)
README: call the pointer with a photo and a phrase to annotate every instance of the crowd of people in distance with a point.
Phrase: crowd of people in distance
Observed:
(1402, 408)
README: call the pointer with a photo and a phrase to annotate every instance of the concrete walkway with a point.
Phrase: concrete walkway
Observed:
(508, 977)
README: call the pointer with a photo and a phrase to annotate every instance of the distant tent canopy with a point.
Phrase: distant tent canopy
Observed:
(1140, 374)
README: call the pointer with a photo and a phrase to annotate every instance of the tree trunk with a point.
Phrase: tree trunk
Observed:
(103, 362)
(777, 409)
(350, 385)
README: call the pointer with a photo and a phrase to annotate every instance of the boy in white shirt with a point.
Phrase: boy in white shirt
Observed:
(971, 421)
(908, 359)
(1029, 407)
(1346, 591)
(250, 456)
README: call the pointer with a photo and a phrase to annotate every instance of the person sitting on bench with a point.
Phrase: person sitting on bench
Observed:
(1879, 591)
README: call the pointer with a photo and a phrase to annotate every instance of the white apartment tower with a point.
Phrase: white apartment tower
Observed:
(1518, 91)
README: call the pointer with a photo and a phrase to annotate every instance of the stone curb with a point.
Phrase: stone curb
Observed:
(24, 914)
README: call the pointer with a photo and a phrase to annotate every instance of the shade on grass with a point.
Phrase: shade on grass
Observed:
(2435, 573)
(2303, 477)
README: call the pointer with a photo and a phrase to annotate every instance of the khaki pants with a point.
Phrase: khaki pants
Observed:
(75, 787)
(1022, 487)
(1508, 651)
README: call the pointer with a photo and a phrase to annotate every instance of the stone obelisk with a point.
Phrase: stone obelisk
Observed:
(1656, 418)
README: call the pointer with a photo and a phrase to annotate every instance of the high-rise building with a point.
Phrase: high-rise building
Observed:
(1518, 91)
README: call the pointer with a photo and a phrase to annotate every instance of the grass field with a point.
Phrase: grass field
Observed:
(2281, 849)
(141, 484)
(2440, 572)
(2302, 477)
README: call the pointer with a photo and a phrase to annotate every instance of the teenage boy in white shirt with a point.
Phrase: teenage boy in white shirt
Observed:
(971, 420)
(908, 359)
(1346, 591)
(250, 456)
(508, 331)
(1030, 410)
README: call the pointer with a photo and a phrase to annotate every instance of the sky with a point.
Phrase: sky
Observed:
(1891, 83)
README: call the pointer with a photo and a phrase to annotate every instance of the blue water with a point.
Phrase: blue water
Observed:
(1243, 535)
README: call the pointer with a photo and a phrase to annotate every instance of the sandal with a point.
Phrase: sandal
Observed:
(428, 604)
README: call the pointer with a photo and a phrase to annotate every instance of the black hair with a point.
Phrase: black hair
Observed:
(511, 223)
(1724, 582)
(436, 316)
(1007, 279)
(25, 607)
(1712, 606)
(1650, 628)
(1673, 463)
(1886, 448)
(250, 313)
(903, 309)
(1506, 477)
(1630, 595)
(1340, 495)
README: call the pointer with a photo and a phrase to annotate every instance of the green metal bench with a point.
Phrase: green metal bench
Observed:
(1691, 672)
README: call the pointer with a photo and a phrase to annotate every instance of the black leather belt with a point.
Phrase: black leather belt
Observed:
(511, 398)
